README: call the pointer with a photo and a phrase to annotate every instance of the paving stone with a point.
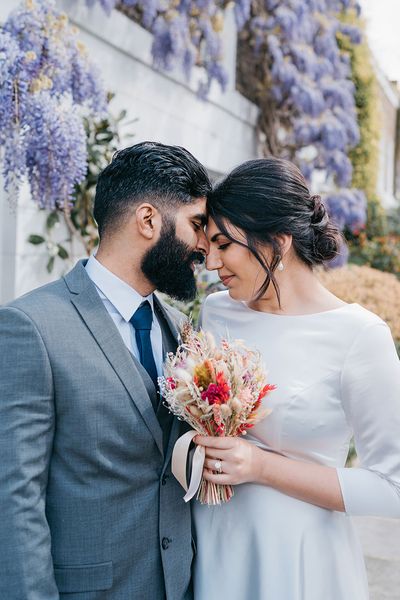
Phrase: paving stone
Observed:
(380, 539)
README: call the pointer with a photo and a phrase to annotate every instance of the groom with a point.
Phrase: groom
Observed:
(89, 509)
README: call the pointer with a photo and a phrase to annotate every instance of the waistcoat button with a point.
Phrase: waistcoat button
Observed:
(165, 543)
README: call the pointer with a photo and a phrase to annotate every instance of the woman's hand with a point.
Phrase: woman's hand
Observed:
(243, 462)
(240, 459)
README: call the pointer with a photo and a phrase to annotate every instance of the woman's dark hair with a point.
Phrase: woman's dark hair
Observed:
(265, 198)
(166, 176)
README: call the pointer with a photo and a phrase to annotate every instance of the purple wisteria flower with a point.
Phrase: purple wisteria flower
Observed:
(348, 209)
(187, 32)
(311, 80)
(45, 76)
(56, 136)
(310, 91)
(242, 12)
(107, 5)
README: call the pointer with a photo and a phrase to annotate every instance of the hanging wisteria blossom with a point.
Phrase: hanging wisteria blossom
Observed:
(186, 33)
(309, 94)
(311, 89)
(45, 75)
(348, 208)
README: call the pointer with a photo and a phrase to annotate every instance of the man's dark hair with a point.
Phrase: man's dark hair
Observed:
(166, 176)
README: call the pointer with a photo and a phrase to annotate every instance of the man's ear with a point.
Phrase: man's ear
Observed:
(148, 220)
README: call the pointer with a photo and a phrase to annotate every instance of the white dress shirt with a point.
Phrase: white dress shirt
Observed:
(121, 302)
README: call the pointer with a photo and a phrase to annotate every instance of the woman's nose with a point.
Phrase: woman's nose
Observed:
(213, 260)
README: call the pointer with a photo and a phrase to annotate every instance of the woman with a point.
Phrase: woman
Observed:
(286, 535)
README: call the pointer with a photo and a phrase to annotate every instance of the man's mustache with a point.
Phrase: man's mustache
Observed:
(197, 257)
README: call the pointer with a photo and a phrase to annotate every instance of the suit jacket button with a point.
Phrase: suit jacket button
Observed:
(164, 480)
(165, 543)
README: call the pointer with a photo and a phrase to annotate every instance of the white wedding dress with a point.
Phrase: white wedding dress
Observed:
(337, 375)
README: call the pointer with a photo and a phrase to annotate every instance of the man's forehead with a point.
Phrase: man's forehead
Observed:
(197, 209)
(199, 204)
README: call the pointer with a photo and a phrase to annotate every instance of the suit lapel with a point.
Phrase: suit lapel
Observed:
(170, 334)
(88, 303)
(170, 343)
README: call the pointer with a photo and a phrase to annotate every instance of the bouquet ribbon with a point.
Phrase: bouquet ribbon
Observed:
(179, 462)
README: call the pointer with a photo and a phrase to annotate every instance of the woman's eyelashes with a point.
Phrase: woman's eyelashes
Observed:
(224, 246)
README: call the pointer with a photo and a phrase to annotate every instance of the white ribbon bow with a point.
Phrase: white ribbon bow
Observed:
(179, 462)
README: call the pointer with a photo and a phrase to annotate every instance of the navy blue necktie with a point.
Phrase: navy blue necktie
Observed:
(141, 321)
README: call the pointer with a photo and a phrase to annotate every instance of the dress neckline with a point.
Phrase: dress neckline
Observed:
(305, 315)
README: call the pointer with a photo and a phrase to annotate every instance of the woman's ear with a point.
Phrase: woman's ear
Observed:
(285, 241)
(148, 220)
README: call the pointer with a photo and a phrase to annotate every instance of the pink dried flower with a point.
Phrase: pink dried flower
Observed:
(171, 383)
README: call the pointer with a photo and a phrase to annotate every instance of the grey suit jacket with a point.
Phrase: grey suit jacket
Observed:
(89, 509)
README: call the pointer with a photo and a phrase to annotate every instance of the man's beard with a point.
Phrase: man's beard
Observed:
(168, 265)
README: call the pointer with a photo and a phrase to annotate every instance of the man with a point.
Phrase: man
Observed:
(89, 508)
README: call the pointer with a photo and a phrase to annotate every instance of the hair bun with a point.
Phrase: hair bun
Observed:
(326, 237)
(319, 214)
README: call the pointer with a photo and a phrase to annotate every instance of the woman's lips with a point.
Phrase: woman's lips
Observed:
(226, 280)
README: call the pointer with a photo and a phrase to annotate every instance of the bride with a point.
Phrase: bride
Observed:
(286, 534)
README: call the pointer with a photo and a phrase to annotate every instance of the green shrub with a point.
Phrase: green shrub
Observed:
(381, 252)
(377, 291)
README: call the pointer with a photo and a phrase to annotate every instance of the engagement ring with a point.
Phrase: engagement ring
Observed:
(218, 466)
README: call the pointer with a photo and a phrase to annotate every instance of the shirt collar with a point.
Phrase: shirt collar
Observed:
(121, 295)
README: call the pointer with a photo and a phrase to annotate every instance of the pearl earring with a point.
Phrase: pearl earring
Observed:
(281, 266)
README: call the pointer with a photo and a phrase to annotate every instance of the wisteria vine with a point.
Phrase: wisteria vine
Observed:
(299, 77)
(308, 111)
(290, 63)
(45, 76)
(186, 33)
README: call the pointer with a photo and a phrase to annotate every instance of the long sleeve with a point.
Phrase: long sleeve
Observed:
(371, 400)
(26, 437)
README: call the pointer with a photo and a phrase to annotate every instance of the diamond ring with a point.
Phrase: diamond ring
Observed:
(218, 466)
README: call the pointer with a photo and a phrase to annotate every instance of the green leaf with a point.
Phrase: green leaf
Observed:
(105, 136)
(62, 252)
(52, 219)
(50, 264)
(94, 169)
(36, 239)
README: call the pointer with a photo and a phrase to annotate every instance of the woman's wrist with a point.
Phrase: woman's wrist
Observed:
(261, 466)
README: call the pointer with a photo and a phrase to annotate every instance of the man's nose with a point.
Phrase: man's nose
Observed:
(203, 244)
